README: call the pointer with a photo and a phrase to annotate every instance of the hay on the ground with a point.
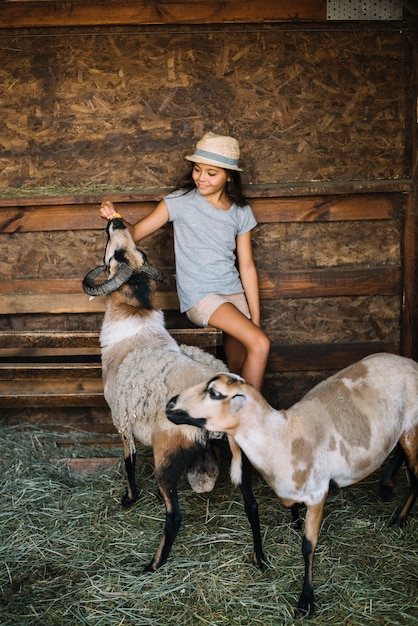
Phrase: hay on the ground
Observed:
(70, 554)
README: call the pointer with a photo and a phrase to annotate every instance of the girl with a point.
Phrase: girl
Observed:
(212, 230)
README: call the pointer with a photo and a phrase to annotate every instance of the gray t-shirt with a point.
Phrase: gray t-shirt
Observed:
(204, 245)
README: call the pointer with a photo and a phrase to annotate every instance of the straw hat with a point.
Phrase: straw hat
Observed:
(219, 150)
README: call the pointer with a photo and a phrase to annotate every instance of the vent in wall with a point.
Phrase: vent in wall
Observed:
(364, 10)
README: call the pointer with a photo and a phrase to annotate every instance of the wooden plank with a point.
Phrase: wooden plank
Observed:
(67, 303)
(49, 339)
(51, 392)
(23, 400)
(82, 341)
(303, 209)
(56, 287)
(59, 303)
(331, 282)
(327, 208)
(59, 372)
(321, 357)
(34, 13)
(24, 355)
(409, 313)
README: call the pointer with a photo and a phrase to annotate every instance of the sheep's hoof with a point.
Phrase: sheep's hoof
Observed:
(387, 493)
(398, 520)
(128, 501)
(260, 561)
(150, 568)
(262, 565)
(305, 606)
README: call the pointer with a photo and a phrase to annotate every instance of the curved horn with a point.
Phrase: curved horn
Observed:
(101, 289)
(152, 272)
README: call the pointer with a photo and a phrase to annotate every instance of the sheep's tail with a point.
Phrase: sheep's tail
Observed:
(236, 462)
(128, 440)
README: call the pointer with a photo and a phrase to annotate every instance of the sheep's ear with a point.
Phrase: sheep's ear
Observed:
(237, 402)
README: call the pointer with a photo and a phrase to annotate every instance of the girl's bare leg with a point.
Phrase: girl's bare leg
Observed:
(246, 345)
(235, 353)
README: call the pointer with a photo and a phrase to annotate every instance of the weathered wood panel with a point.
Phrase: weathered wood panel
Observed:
(345, 320)
(322, 279)
(24, 13)
(119, 110)
(37, 214)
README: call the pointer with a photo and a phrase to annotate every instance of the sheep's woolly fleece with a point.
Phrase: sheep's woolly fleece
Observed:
(147, 379)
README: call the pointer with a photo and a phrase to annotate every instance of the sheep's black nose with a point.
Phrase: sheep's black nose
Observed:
(171, 404)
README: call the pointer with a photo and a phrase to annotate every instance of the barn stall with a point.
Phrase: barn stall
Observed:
(103, 100)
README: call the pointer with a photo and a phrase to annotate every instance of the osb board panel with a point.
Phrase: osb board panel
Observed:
(122, 109)
(334, 244)
(285, 246)
(347, 320)
(70, 254)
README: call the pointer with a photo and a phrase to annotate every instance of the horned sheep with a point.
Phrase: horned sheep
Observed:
(339, 433)
(142, 367)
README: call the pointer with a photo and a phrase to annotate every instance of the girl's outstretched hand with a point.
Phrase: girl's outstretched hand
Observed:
(107, 210)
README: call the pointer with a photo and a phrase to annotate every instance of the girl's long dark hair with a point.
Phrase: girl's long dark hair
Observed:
(233, 188)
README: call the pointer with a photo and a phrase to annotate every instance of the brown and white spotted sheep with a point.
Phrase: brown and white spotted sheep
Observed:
(339, 433)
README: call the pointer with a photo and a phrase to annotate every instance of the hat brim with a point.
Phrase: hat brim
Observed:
(200, 159)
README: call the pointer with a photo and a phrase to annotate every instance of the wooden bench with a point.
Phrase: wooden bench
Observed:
(47, 369)
(56, 369)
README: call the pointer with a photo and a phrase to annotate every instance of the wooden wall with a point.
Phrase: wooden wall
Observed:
(324, 115)
(120, 108)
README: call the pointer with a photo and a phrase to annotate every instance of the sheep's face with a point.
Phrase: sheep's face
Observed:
(137, 293)
(123, 261)
(121, 248)
(213, 405)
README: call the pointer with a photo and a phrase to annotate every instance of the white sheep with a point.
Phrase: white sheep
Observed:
(142, 367)
(339, 433)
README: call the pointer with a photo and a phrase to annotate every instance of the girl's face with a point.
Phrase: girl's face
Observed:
(209, 179)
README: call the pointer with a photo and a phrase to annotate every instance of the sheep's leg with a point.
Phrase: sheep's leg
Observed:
(409, 445)
(296, 517)
(129, 457)
(313, 519)
(251, 509)
(172, 455)
(172, 527)
(388, 481)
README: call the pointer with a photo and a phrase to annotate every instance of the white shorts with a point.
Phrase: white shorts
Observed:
(201, 312)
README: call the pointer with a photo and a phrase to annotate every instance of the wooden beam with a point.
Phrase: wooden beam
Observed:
(331, 282)
(409, 311)
(323, 208)
(47, 13)
(82, 341)
(321, 357)
(59, 296)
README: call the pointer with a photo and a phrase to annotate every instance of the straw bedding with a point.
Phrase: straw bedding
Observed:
(70, 554)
